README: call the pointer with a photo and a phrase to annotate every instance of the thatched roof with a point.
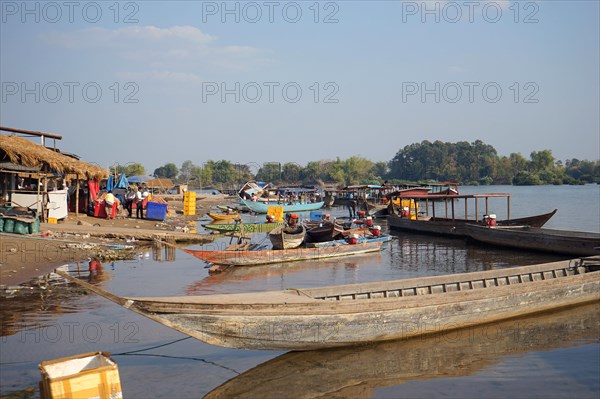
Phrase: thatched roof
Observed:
(22, 151)
(159, 183)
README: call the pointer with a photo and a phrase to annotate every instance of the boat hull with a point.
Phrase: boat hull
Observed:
(245, 227)
(333, 323)
(538, 239)
(222, 216)
(457, 227)
(253, 258)
(281, 238)
(260, 207)
(315, 318)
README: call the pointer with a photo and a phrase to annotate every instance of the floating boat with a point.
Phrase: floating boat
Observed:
(286, 237)
(422, 217)
(366, 238)
(456, 227)
(346, 315)
(265, 257)
(456, 353)
(578, 243)
(320, 231)
(245, 227)
(223, 216)
(262, 207)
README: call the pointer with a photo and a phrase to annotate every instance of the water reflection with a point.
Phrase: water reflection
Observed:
(214, 282)
(356, 372)
(425, 254)
(38, 302)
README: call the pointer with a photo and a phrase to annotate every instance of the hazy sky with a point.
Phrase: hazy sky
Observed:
(253, 82)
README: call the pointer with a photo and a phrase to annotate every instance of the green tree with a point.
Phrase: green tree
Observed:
(168, 170)
(185, 173)
(291, 172)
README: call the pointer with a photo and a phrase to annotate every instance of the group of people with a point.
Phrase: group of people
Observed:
(137, 195)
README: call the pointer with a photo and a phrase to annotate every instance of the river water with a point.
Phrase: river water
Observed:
(549, 356)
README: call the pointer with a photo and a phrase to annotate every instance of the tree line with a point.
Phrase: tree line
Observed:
(466, 163)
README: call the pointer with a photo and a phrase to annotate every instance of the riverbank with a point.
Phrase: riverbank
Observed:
(78, 239)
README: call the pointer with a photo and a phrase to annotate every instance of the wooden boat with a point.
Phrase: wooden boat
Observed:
(285, 237)
(452, 354)
(456, 227)
(367, 238)
(224, 216)
(576, 243)
(265, 257)
(262, 207)
(245, 227)
(322, 231)
(314, 318)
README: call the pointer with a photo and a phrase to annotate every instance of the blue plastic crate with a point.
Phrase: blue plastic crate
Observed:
(156, 211)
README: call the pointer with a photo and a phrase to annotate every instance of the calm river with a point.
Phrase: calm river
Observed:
(550, 356)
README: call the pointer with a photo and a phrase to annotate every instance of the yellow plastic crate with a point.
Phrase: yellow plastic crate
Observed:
(88, 375)
(53, 220)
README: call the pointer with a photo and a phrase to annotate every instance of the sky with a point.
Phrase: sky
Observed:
(269, 81)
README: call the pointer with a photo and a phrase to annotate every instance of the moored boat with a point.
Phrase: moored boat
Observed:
(287, 237)
(345, 315)
(244, 227)
(320, 231)
(223, 216)
(422, 215)
(265, 257)
(566, 242)
(456, 227)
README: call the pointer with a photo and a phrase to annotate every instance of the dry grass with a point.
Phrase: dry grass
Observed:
(24, 152)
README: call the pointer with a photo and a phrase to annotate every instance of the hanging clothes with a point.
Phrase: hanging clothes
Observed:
(110, 184)
(122, 181)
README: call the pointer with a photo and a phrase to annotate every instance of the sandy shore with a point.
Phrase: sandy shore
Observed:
(23, 258)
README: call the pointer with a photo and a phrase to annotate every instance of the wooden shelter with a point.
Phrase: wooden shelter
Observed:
(22, 158)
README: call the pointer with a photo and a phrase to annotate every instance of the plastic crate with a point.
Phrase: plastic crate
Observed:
(156, 211)
(88, 375)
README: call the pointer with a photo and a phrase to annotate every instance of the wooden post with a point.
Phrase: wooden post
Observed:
(452, 206)
(476, 210)
(433, 209)
(38, 205)
(508, 208)
(44, 196)
(467, 209)
(487, 210)
(76, 196)
(427, 206)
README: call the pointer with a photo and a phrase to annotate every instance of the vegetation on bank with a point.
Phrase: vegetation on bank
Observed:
(474, 163)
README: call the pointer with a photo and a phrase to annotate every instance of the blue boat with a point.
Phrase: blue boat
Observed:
(261, 207)
(384, 238)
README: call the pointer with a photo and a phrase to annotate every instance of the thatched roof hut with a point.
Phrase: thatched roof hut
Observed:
(21, 151)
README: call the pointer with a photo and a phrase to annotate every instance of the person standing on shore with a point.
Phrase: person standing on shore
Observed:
(129, 198)
(139, 203)
(109, 202)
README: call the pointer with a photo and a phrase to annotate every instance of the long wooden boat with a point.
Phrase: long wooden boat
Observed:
(356, 372)
(245, 227)
(314, 318)
(566, 242)
(361, 240)
(320, 231)
(265, 257)
(262, 207)
(456, 227)
(285, 237)
(223, 216)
